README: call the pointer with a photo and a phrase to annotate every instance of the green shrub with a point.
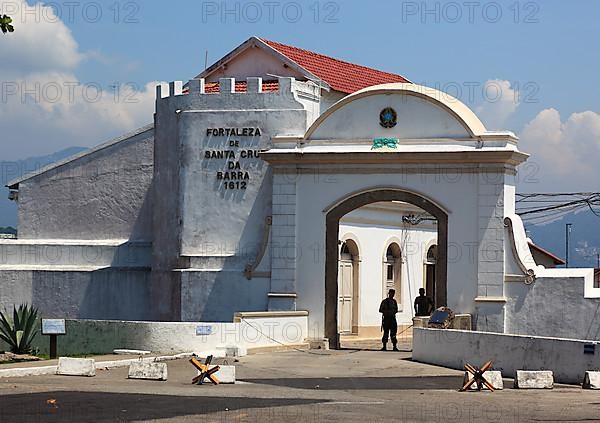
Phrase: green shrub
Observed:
(19, 333)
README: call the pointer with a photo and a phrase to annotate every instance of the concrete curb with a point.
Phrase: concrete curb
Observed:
(278, 348)
(28, 371)
(100, 365)
(106, 365)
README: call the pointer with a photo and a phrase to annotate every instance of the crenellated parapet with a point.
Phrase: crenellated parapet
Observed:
(228, 93)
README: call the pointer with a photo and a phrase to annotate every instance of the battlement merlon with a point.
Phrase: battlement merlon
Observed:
(173, 96)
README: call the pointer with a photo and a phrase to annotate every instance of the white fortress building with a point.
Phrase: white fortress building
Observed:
(284, 182)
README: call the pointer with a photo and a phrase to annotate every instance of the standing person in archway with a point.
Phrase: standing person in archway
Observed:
(423, 304)
(388, 310)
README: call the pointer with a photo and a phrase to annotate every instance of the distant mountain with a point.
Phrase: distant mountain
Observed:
(10, 170)
(584, 239)
(8, 230)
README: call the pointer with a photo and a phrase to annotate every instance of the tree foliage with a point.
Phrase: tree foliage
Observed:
(5, 24)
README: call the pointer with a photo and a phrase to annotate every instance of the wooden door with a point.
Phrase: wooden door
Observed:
(345, 279)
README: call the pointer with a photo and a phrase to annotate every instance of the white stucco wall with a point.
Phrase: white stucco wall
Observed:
(509, 353)
(218, 231)
(253, 62)
(94, 293)
(48, 254)
(103, 336)
(438, 142)
(556, 304)
(329, 98)
(101, 195)
(560, 302)
(410, 109)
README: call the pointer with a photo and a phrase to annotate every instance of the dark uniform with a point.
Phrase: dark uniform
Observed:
(423, 305)
(389, 308)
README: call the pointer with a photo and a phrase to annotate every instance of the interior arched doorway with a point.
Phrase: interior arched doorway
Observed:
(348, 275)
(392, 265)
(430, 272)
(332, 253)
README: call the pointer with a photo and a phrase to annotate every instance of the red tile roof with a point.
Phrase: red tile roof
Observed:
(340, 75)
(240, 87)
(557, 260)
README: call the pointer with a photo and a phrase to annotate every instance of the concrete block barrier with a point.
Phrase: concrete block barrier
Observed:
(591, 380)
(76, 366)
(148, 370)
(226, 374)
(528, 379)
(492, 376)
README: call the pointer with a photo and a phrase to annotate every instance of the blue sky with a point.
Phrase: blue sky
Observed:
(558, 53)
(547, 52)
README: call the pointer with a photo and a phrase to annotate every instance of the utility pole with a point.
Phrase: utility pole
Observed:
(567, 236)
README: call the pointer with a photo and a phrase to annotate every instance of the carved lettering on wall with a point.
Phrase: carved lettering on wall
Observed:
(234, 175)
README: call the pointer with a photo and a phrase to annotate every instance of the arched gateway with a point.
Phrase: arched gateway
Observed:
(402, 143)
(353, 202)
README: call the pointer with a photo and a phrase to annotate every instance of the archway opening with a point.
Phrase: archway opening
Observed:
(394, 229)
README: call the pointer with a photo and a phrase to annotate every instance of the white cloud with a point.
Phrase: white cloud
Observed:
(499, 102)
(44, 105)
(564, 155)
(40, 41)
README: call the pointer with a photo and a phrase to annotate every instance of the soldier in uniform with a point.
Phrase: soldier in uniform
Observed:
(388, 310)
(423, 304)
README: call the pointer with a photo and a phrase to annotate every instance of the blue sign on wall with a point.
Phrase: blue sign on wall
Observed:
(204, 330)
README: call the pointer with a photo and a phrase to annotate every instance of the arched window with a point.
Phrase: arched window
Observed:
(430, 270)
(345, 251)
(432, 254)
(391, 270)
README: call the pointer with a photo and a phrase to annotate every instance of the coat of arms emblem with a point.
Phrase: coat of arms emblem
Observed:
(388, 118)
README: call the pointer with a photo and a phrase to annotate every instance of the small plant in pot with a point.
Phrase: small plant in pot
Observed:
(20, 332)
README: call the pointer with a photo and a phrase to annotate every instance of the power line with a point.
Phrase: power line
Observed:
(545, 207)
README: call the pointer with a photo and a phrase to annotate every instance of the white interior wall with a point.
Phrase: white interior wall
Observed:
(374, 228)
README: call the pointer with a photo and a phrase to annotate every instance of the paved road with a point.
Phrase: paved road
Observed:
(329, 386)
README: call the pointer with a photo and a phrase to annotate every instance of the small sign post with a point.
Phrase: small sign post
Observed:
(53, 328)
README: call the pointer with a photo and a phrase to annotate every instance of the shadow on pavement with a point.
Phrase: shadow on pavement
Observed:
(110, 407)
(356, 349)
(346, 383)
